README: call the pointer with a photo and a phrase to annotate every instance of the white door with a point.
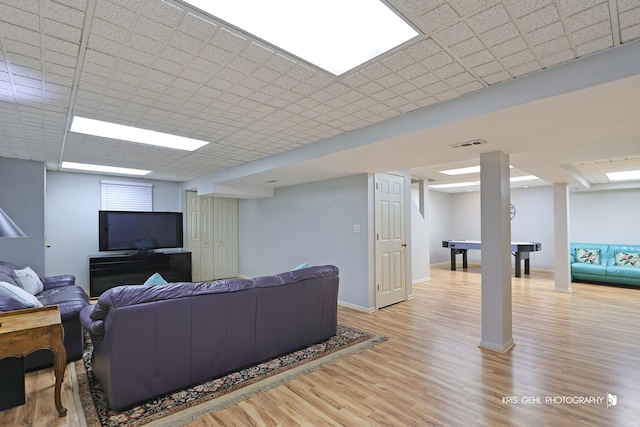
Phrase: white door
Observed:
(390, 239)
(225, 242)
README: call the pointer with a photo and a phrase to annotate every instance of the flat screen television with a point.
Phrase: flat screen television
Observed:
(141, 231)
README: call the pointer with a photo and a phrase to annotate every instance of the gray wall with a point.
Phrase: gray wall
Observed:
(594, 217)
(73, 202)
(420, 265)
(605, 217)
(311, 223)
(439, 219)
(22, 184)
(533, 222)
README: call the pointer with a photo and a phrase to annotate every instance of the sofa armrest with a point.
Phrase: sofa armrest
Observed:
(95, 327)
(58, 281)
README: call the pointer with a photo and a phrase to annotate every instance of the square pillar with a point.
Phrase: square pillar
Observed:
(495, 196)
(561, 237)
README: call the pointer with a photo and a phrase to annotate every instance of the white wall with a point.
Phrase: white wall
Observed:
(605, 216)
(72, 203)
(311, 223)
(22, 184)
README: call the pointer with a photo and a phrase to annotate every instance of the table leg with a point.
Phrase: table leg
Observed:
(526, 266)
(464, 259)
(59, 365)
(518, 259)
(453, 259)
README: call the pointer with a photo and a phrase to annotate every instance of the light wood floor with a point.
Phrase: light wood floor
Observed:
(431, 372)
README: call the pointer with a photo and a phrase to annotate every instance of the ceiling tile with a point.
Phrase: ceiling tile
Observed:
(489, 19)
(588, 17)
(595, 45)
(500, 34)
(509, 47)
(539, 18)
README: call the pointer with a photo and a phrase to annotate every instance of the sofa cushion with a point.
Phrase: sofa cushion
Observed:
(29, 280)
(627, 259)
(7, 275)
(13, 297)
(586, 268)
(624, 271)
(71, 300)
(588, 255)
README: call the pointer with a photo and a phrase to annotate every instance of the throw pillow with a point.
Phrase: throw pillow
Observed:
(588, 256)
(301, 266)
(627, 259)
(155, 279)
(29, 280)
(15, 298)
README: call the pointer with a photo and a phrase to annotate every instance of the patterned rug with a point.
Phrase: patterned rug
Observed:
(186, 405)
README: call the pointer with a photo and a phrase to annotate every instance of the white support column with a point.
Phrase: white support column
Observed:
(561, 237)
(496, 252)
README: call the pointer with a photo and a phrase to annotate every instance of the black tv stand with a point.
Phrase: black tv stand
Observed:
(108, 271)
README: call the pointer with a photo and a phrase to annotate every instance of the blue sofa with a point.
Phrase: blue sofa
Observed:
(605, 263)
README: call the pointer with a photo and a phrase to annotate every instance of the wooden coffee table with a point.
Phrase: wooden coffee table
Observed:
(25, 331)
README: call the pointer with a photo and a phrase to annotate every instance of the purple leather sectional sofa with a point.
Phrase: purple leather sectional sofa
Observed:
(149, 340)
(58, 290)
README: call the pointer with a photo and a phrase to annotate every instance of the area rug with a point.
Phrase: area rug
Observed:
(186, 405)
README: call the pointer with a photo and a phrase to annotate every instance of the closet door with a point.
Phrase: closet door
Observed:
(200, 235)
(212, 236)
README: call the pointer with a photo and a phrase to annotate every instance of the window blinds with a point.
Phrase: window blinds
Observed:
(126, 196)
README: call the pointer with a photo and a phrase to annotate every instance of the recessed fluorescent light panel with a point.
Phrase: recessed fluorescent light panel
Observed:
(623, 176)
(523, 178)
(100, 168)
(336, 35)
(457, 184)
(462, 171)
(133, 134)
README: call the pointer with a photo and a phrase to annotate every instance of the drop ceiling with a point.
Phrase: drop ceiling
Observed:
(163, 66)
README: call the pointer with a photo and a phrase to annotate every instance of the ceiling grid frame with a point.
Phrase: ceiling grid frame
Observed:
(266, 111)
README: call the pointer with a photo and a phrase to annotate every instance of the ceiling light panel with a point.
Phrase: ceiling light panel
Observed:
(462, 171)
(455, 184)
(332, 34)
(86, 167)
(623, 176)
(129, 133)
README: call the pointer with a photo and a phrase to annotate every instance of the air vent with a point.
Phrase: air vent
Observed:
(468, 143)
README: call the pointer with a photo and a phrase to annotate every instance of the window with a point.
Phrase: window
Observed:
(126, 196)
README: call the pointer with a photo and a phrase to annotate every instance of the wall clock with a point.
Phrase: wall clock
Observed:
(512, 210)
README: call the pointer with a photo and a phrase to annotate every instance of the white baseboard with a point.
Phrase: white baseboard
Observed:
(356, 307)
(424, 279)
(441, 263)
